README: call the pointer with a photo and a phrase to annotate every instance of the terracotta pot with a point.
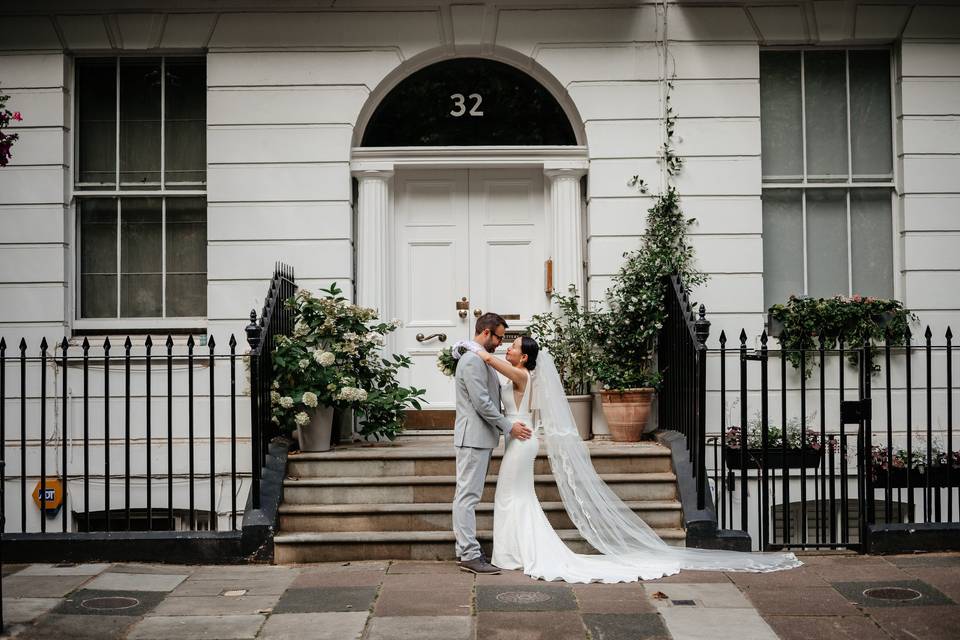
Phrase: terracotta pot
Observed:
(316, 435)
(582, 409)
(627, 412)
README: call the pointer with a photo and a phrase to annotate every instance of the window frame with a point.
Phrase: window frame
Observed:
(77, 192)
(805, 184)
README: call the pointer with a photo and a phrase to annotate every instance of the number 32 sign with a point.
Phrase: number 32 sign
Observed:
(460, 105)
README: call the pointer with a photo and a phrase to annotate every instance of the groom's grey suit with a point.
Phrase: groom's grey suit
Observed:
(476, 433)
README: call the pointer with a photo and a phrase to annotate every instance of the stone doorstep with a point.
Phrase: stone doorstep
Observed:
(446, 451)
(439, 516)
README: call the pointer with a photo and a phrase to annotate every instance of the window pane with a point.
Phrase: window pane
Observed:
(186, 257)
(186, 120)
(827, 273)
(781, 132)
(871, 227)
(97, 120)
(870, 124)
(98, 258)
(140, 121)
(141, 257)
(826, 114)
(782, 245)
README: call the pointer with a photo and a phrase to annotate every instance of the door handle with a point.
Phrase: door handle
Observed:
(477, 312)
(423, 338)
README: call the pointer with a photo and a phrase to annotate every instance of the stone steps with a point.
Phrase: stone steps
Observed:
(404, 545)
(425, 489)
(424, 457)
(438, 516)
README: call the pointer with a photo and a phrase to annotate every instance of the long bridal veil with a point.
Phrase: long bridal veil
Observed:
(599, 514)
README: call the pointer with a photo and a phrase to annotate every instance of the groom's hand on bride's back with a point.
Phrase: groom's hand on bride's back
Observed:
(520, 431)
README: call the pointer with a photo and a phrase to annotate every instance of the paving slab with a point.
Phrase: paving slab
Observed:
(692, 577)
(66, 569)
(17, 586)
(254, 586)
(61, 627)
(703, 595)
(919, 623)
(698, 623)
(17, 610)
(309, 578)
(220, 572)
(798, 577)
(234, 627)
(413, 566)
(451, 601)
(322, 599)
(535, 597)
(10, 569)
(828, 627)
(945, 579)
(613, 598)
(866, 594)
(216, 605)
(801, 600)
(618, 626)
(316, 626)
(136, 582)
(863, 569)
(547, 625)
(507, 577)
(427, 581)
(93, 602)
(421, 628)
(933, 560)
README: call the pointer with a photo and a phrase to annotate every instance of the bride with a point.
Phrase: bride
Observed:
(524, 539)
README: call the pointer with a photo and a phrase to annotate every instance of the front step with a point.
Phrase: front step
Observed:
(439, 516)
(404, 545)
(441, 461)
(426, 489)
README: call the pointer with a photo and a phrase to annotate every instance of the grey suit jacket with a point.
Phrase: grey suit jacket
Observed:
(479, 420)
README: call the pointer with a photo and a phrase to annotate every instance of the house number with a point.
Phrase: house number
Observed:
(460, 105)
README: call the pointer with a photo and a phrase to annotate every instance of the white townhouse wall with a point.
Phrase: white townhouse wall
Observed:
(290, 84)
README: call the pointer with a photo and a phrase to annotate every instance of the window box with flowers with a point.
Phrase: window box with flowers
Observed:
(333, 360)
(943, 471)
(806, 454)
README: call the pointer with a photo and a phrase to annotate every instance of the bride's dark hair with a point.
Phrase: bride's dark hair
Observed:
(530, 348)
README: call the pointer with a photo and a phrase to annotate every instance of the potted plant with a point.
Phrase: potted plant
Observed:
(803, 321)
(804, 448)
(331, 361)
(899, 469)
(565, 334)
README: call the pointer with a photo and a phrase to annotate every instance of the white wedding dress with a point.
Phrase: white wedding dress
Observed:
(524, 539)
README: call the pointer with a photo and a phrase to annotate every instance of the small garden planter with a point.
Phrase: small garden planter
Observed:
(939, 477)
(794, 459)
(316, 435)
(581, 406)
(627, 412)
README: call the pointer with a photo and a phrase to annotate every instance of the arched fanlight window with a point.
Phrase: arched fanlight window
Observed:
(468, 102)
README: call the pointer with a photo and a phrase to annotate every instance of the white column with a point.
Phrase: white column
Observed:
(565, 204)
(372, 243)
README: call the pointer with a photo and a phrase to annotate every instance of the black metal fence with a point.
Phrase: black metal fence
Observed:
(681, 361)
(815, 462)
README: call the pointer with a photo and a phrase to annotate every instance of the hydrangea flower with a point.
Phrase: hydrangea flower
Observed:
(310, 399)
(302, 419)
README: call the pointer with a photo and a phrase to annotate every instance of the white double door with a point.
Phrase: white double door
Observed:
(470, 241)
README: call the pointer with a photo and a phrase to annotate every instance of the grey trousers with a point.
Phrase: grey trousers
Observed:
(472, 465)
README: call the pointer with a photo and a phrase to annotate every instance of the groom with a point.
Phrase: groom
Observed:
(477, 430)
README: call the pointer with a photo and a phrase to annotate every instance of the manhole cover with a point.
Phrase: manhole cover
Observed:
(523, 597)
(900, 594)
(112, 603)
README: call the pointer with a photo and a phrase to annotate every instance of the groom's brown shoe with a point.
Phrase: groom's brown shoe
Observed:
(479, 566)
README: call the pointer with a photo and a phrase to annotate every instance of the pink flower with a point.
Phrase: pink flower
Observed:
(857, 297)
(17, 116)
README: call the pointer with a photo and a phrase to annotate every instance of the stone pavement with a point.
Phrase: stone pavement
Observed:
(833, 596)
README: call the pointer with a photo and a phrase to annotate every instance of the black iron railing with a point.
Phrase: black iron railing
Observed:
(54, 452)
(275, 319)
(838, 472)
(681, 360)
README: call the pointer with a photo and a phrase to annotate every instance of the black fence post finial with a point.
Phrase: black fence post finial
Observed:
(702, 326)
(253, 331)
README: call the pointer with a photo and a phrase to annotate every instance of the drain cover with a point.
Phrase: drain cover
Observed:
(900, 594)
(684, 603)
(112, 603)
(523, 597)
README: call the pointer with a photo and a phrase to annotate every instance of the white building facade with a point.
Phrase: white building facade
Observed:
(168, 157)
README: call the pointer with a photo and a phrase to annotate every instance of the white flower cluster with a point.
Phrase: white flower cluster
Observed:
(302, 419)
(324, 358)
(310, 399)
(274, 397)
(444, 370)
(375, 338)
(304, 363)
(352, 394)
(286, 402)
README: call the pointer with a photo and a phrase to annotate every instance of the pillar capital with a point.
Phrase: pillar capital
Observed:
(570, 170)
(372, 170)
